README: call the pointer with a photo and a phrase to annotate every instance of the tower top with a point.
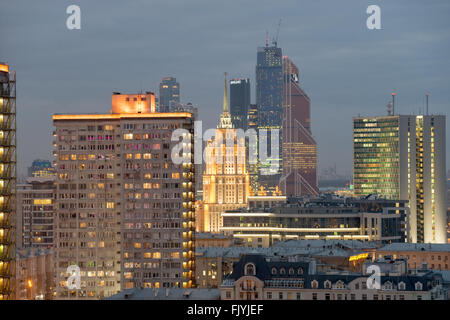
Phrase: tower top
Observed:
(225, 117)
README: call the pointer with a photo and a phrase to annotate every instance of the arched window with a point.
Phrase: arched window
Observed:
(300, 270)
(282, 271)
(274, 270)
(250, 269)
(314, 284)
(291, 271)
(327, 284)
(401, 286)
(418, 286)
(340, 285)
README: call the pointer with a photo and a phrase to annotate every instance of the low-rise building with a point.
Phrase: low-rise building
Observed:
(435, 255)
(368, 219)
(34, 279)
(207, 239)
(257, 277)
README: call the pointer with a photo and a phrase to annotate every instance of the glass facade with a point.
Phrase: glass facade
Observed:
(376, 157)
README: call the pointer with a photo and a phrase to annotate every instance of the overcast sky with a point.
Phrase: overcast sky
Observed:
(128, 46)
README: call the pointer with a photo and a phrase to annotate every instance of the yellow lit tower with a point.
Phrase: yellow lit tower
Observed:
(225, 180)
(7, 177)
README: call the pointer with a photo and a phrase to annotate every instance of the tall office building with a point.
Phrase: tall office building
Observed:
(125, 212)
(7, 178)
(299, 176)
(225, 180)
(252, 168)
(239, 102)
(403, 157)
(35, 213)
(169, 93)
(269, 98)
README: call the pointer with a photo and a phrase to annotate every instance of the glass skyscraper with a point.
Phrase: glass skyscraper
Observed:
(269, 99)
(403, 157)
(169, 93)
(239, 102)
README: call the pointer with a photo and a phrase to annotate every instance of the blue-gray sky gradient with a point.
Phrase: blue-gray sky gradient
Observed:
(129, 46)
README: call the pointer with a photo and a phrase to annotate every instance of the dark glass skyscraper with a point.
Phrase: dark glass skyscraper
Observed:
(169, 93)
(269, 99)
(239, 102)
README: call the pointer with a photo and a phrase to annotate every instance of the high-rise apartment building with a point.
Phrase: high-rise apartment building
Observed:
(299, 176)
(125, 212)
(169, 93)
(239, 102)
(252, 168)
(403, 157)
(7, 178)
(35, 213)
(269, 99)
(225, 180)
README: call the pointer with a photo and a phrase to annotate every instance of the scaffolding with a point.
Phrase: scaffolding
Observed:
(7, 179)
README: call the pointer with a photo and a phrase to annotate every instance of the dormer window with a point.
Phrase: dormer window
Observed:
(327, 284)
(388, 285)
(250, 269)
(300, 270)
(291, 271)
(274, 270)
(401, 286)
(314, 284)
(340, 285)
(418, 286)
(283, 271)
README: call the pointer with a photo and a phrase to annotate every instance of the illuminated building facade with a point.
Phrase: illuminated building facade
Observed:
(125, 209)
(7, 178)
(299, 176)
(35, 212)
(169, 93)
(403, 157)
(252, 169)
(342, 219)
(269, 99)
(225, 180)
(239, 102)
(41, 168)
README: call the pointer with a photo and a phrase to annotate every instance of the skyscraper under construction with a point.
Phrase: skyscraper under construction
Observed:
(7, 177)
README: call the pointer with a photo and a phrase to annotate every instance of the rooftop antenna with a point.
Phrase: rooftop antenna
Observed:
(427, 95)
(393, 103)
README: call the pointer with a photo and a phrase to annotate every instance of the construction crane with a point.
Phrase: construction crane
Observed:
(275, 39)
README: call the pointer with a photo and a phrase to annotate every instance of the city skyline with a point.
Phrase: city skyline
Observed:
(333, 52)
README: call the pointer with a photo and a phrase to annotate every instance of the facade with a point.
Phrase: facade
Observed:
(269, 99)
(7, 178)
(35, 213)
(436, 256)
(213, 264)
(299, 176)
(358, 219)
(225, 180)
(252, 168)
(41, 168)
(169, 93)
(255, 277)
(34, 278)
(403, 157)
(125, 212)
(239, 102)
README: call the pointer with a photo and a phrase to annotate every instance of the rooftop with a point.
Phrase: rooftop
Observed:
(166, 294)
(435, 247)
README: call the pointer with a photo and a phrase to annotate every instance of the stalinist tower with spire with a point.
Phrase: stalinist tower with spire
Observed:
(225, 180)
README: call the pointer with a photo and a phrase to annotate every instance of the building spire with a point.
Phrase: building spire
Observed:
(225, 117)
(225, 94)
